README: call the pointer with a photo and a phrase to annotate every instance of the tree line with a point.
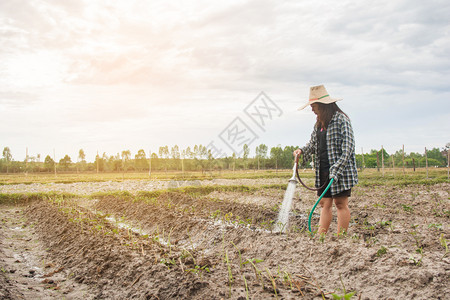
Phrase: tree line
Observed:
(199, 158)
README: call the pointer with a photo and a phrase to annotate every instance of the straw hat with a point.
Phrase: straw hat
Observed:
(318, 94)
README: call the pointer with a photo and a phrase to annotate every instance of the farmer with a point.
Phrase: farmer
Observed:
(333, 146)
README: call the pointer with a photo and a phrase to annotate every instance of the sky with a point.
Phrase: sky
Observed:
(107, 76)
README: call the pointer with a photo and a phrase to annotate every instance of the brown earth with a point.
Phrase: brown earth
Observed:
(182, 246)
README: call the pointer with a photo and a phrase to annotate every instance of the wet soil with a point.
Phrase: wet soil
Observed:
(220, 245)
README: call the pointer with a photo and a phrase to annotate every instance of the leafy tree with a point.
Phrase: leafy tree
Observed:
(189, 153)
(126, 155)
(81, 163)
(8, 157)
(140, 160)
(246, 152)
(437, 155)
(175, 154)
(81, 155)
(49, 163)
(275, 154)
(65, 162)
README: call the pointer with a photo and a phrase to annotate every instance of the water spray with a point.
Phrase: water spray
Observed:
(283, 216)
(281, 224)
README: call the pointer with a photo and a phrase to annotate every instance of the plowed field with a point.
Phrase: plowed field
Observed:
(216, 242)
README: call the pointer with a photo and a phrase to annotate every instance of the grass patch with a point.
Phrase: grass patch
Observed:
(29, 197)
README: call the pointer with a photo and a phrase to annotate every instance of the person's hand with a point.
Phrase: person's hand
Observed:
(297, 152)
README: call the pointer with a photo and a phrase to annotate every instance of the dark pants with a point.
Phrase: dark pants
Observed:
(324, 177)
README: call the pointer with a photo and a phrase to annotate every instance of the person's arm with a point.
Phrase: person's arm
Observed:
(348, 148)
(309, 148)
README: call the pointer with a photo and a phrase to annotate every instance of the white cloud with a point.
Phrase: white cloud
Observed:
(99, 69)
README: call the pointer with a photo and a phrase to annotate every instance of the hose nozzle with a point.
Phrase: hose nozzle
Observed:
(294, 169)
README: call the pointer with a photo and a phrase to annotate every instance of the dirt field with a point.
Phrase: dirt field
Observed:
(215, 242)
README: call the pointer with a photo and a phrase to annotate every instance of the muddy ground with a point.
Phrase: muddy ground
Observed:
(219, 245)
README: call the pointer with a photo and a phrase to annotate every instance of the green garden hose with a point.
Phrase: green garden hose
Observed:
(314, 207)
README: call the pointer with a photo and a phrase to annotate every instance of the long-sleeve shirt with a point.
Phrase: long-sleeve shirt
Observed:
(341, 153)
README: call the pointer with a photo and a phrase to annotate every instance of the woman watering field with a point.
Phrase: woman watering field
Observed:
(333, 146)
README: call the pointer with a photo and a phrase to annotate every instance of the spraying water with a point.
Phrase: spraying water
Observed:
(281, 224)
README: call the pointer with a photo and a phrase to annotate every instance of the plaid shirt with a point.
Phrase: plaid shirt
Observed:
(341, 154)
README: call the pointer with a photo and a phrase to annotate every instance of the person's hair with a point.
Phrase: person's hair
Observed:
(325, 113)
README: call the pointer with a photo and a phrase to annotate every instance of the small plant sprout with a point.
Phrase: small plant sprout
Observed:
(240, 257)
(345, 296)
(246, 288)
(230, 274)
(253, 262)
(382, 251)
(444, 244)
(274, 285)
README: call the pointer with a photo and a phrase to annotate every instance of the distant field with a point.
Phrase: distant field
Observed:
(367, 176)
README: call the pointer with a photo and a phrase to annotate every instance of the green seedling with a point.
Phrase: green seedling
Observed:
(385, 223)
(322, 237)
(407, 208)
(246, 288)
(198, 270)
(240, 257)
(444, 244)
(253, 262)
(287, 278)
(437, 226)
(382, 251)
(168, 262)
(274, 285)
(345, 296)
(230, 274)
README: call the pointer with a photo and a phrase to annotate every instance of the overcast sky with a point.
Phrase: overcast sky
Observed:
(119, 75)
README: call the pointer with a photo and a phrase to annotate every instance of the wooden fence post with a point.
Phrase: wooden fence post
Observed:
(393, 165)
(97, 161)
(382, 159)
(403, 158)
(426, 160)
(54, 160)
(26, 163)
(149, 163)
(448, 163)
(378, 161)
(362, 152)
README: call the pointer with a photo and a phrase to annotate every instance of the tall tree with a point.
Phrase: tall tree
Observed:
(49, 163)
(126, 155)
(245, 153)
(65, 162)
(140, 160)
(8, 157)
(275, 154)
